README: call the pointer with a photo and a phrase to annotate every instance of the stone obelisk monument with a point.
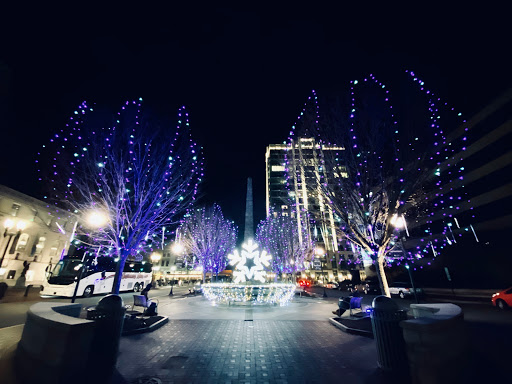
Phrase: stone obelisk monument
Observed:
(249, 217)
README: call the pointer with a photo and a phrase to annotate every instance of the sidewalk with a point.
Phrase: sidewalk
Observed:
(9, 338)
(202, 343)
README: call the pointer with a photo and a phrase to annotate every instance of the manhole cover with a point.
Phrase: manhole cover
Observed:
(174, 362)
(150, 380)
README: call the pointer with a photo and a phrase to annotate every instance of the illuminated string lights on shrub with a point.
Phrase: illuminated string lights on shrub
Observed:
(206, 235)
(255, 294)
(280, 235)
(249, 267)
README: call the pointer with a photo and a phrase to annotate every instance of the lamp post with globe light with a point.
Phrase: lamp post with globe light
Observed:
(399, 223)
(8, 225)
(155, 258)
(173, 271)
(319, 252)
(177, 249)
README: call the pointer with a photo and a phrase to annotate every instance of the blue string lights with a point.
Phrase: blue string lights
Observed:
(141, 178)
(397, 171)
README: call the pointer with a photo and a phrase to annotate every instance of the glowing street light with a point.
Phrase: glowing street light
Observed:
(399, 222)
(155, 258)
(96, 219)
(319, 251)
(178, 248)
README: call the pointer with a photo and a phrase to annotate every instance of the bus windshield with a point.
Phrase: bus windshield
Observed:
(67, 268)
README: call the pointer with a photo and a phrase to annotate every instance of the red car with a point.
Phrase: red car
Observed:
(305, 283)
(503, 299)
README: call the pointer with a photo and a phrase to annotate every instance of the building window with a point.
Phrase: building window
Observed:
(22, 242)
(40, 245)
(15, 209)
(277, 168)
(54, 249)
(284, 207)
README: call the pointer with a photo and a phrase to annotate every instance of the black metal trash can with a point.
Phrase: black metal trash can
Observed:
(109, 317)
(386, 317)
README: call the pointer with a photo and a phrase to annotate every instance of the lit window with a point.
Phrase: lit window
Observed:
(277, 168)
(283, 207)
(15, 209)
(22, 242)
(40, 245)
(54, 248)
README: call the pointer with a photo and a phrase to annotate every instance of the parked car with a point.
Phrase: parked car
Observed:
(305, 283)
(403, 290)
(372, 287)
(357, 287)
(502, 299)
(345, 285)
(331, 285)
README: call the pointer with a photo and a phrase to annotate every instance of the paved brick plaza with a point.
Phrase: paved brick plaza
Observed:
(253, 351)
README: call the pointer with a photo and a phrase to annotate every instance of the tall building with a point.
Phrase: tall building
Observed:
(292, 172)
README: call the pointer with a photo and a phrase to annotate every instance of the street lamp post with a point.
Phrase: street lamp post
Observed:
(177, 249)
(399, 222)
(9, 224)
(155, 258)
(173, 270)
(320, 252)
(412, 283)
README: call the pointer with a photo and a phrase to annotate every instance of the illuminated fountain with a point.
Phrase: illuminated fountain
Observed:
(249, 269)
(249, 285)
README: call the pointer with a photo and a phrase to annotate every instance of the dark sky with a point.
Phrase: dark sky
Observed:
(242, 73)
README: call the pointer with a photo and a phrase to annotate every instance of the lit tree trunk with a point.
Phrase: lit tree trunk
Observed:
(383, 281)
(119, 272)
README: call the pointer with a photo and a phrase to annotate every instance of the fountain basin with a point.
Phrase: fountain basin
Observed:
(273, 293)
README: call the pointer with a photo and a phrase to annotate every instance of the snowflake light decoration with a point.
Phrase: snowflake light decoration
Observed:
(255, 272)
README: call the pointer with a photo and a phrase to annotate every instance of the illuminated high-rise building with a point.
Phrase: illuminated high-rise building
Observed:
(292, 174)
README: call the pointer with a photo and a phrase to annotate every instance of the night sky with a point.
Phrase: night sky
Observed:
(243, 74)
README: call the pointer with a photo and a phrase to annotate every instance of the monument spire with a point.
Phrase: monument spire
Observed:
(249, 217)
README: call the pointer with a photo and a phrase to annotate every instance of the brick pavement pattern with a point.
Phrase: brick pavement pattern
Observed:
(237, 351)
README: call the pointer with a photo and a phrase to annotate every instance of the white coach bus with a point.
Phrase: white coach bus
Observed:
(97, 277)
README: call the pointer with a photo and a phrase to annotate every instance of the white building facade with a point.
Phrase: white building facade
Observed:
(35, 237)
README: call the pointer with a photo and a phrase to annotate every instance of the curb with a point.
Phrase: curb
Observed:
(151, 328)
(346, 329)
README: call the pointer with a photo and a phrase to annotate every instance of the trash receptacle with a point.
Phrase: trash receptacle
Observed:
(109, 317)
(386, 317)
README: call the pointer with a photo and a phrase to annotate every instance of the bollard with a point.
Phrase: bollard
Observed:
(386, 317)
(109, 318)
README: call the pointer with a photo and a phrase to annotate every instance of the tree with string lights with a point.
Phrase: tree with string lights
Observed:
(289, 246)
(208, 237)
(393, 176)
(123, 176)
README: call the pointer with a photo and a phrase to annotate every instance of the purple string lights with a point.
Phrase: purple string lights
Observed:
(138, 176)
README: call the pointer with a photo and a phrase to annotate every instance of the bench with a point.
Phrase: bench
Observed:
(141, 301)
(355, 303)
